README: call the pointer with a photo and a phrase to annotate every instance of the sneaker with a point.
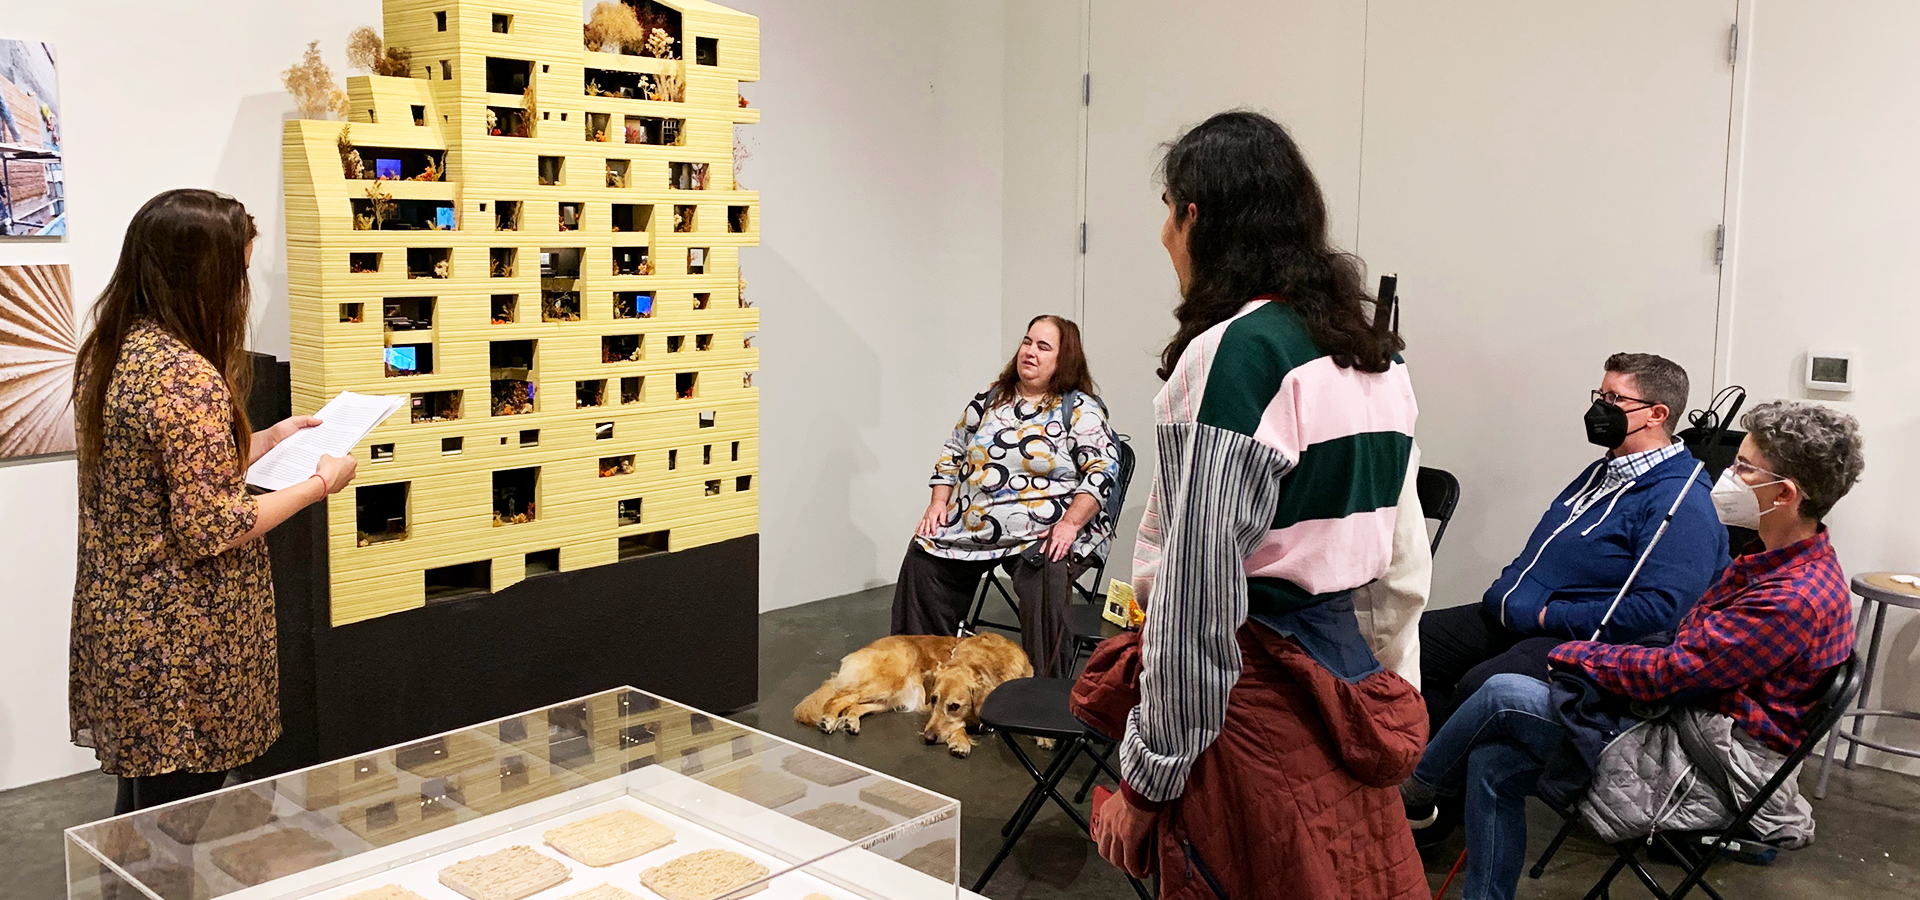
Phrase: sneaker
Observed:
(1419, 800)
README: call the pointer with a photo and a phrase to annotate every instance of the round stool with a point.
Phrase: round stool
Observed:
(1877, 591)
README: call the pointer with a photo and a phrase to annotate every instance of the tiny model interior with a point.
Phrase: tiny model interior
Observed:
(516, 227)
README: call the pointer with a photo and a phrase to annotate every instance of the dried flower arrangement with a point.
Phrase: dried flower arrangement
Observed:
(613, 28)
(312, 86)
(433, 172)
(365, 48)
(670, 87)
(512, 397)
(380, 200)
(529, 112)
(740, 156)
(350, 164)
(368, 53)
(659, 43)
(559, 306)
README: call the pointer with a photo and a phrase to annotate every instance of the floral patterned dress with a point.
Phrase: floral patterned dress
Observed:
(174, 665)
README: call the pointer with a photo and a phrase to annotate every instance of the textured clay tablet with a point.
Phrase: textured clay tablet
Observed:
(769, 789)
(610, 838)
(275, 855)
(504, 875)
(703, 875)
(842, 820)
(935, 859)
(214, 818)
(603, 892)
(386, 892)
(906, 800)
(820, 770)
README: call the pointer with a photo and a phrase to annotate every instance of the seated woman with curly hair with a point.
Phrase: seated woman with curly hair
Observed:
(1022, 484)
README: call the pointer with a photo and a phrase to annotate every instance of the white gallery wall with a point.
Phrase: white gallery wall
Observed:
(1825, 252)
(878, 276)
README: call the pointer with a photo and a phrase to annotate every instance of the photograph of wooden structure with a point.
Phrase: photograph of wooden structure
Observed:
(537, 244)
(32, 180)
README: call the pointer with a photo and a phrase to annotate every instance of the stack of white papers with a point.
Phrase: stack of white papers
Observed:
(345, 422)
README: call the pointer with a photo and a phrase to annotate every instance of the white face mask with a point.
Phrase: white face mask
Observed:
(1735, 502)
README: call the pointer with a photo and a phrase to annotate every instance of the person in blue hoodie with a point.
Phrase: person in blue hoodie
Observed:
(1578, 556)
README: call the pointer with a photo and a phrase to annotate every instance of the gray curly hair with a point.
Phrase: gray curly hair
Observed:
(1817, 447)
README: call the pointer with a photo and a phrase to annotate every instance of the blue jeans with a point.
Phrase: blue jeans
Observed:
(1493, 749)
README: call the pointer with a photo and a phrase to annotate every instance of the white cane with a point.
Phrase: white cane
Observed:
(1668, 520)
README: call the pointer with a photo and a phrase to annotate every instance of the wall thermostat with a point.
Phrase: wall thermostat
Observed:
(1829, 372)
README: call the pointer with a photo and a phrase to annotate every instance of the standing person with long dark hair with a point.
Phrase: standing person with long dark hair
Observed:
(1262, 741)
(174, 677)
(1022, 483)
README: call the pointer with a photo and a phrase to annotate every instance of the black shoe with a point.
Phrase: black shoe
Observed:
(1436, 824)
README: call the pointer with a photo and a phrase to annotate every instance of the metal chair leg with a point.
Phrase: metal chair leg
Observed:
(1540, 867)
(1104, 756)
(971, 623)
(1045, 785)
(1036, 796)
(1600, 888)
(1866, 675)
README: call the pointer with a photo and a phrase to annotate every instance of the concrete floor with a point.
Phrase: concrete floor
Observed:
(1868, 847)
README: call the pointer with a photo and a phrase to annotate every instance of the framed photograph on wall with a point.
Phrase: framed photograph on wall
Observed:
(33, 196)
(38, 337)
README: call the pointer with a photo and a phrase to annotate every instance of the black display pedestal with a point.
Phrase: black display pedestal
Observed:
(684, 625)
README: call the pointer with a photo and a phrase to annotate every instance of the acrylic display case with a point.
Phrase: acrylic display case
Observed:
(398, 817)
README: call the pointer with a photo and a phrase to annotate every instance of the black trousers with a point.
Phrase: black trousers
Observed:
(155, 790)
(934, 592)
(1463, 646)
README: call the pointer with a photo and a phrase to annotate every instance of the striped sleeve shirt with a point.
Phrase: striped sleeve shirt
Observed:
(1277, 487)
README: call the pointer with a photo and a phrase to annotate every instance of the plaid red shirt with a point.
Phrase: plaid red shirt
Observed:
(1762, 635)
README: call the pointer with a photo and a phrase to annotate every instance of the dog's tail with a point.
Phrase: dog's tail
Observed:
(810, 711)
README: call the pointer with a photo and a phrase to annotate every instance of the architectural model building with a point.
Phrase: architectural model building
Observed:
(538, 246)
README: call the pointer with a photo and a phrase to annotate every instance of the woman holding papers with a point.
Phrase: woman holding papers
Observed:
(174, 673)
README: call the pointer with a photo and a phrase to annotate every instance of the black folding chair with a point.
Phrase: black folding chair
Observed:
(1439, 495)
(1116, 499)
(1836, 694)
(1040, 708)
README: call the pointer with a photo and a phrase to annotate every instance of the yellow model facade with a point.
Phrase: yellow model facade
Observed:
(538, 246)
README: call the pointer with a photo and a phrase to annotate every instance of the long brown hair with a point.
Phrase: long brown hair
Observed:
(1070, 366)
(1262, 229)
(183, 268)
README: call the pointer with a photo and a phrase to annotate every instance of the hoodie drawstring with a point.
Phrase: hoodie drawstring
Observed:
(1609, 511)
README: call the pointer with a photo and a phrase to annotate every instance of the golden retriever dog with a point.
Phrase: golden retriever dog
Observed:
(949, 677)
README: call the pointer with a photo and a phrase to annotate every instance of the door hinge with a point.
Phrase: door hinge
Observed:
(1720, 245)
(1733, 44)
(1083, 238)
(1086, 89)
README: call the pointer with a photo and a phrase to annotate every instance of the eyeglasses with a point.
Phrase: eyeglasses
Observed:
(1612, 399)
(1742, 468)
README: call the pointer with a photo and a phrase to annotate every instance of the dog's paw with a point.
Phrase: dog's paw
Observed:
(851, 726)
(1044, 743)
(826, 724)
(960, 749)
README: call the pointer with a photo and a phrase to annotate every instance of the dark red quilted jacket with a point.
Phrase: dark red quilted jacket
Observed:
(1298, 796)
